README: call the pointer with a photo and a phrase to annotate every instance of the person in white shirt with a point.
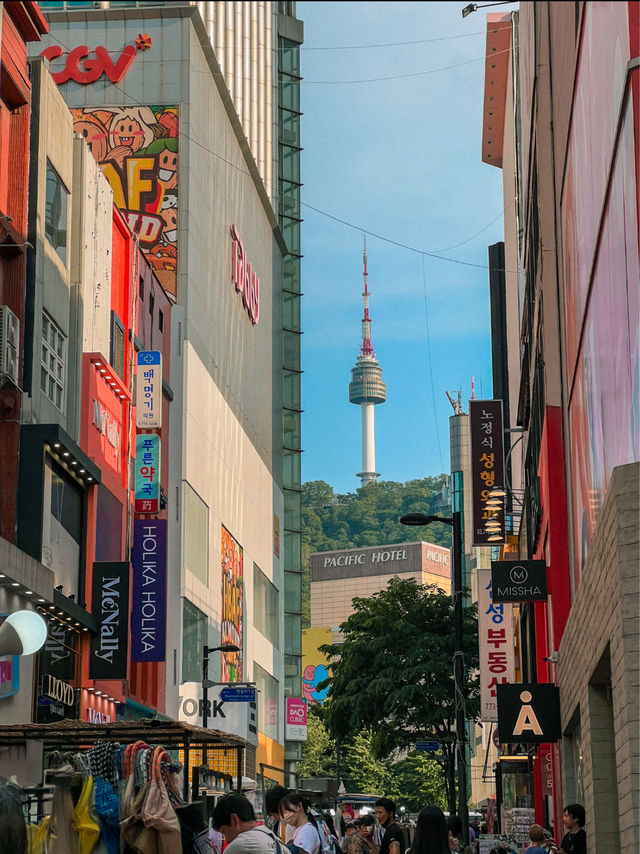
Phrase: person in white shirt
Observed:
(234, 817)
(294, 810)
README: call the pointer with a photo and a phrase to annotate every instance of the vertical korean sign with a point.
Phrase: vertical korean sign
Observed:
(487, 470)
(149, 601)
(495, 646)
(231, 622)
(147, 495)
(149, 390)
(110, 607)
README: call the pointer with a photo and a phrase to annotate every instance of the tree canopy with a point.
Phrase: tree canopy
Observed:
(394, 671)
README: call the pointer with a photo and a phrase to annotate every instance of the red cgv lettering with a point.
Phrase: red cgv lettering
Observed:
(91, 69)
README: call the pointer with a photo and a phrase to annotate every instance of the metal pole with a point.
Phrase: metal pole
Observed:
(461, 732)
(205, 689)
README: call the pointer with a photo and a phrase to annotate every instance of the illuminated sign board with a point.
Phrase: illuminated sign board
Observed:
(149, 390)
(487, 471)
(147, 489)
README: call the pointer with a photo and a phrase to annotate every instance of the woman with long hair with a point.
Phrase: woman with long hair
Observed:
(431, 836)
(294, 811)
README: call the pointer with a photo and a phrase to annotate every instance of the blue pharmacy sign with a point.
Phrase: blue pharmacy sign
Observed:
(147, 494)
(149, 390)
(149, 598)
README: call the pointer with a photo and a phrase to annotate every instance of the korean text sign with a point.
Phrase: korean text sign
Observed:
(149, 390)
(147, 495)
(149, 599)
(495, 646)
(487, 469)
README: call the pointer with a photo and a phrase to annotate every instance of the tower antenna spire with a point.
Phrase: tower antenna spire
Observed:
(367, 388)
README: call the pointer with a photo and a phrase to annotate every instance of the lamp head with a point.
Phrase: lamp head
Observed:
(417, 519)
(472, 7)
(22, 633)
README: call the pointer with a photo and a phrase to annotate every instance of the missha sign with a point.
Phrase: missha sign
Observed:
(244, 277)
(81, 67)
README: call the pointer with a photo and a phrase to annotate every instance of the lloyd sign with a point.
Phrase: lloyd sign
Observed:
(110, 605)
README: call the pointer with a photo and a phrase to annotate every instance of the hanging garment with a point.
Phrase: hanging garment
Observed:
(106, 808)
(88, 830)
(13, 831)
(63, 838)
(157, 811)
(38, 837)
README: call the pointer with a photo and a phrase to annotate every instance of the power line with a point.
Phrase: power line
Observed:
(389, 44)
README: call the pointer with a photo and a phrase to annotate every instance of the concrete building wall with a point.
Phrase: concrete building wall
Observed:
(599, 675)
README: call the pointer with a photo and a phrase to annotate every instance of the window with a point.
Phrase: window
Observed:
(160, 320)
(267, 703)
(196, 534)
(52, 361)
(108, 526)
(62, 525)
(265, 607)
(117, 345)
(55, 219)
(141, 289)
(194, 633)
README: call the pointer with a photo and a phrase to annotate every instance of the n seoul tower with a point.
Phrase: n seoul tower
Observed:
(367, 388)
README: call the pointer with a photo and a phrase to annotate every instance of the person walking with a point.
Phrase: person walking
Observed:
(393, 839)
(234, 818)
(294, 810)
(575, 839)
(536, 837)
(431, 835)
(367, 831)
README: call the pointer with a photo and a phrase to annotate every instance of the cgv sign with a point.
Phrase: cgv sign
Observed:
(82, 68)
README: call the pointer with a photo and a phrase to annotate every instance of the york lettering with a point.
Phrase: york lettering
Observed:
(84, 70)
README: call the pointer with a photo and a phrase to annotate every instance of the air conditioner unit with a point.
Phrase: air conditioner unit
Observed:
(9, 343)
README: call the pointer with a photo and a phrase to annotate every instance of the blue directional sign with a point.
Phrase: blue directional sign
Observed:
(238, 695)
(427, 745)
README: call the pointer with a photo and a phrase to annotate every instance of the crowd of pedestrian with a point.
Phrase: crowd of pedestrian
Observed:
(299, 829)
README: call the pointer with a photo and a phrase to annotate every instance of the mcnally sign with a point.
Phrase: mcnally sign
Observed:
(81, 67)
(519, 580)
(110, 605)
(377, 560)
(244, 277)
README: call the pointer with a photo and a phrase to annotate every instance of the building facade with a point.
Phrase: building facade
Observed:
(199, 141)
(561, 120)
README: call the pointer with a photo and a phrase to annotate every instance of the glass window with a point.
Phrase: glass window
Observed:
(290, 56)
(292, 551)
(108, 526)
(291, 395)
(291, 348)
(291, 510)
(194, 637)
(291, 274)
(196, 534)
(293, 633)
(291, 437)
(289, 200)
(268, 717)
(291, 468)
(62, 525)
(266, 610)
(52, 362)
(291, 233)
(291, 310)
(55, 219)
(289, 93)
(289, 163)
(289, 127)
(292, 591)
(117, 345)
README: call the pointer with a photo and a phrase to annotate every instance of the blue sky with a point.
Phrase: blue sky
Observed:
(400, 158)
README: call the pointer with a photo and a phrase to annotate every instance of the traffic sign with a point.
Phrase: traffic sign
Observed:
(427, 745)
(238, 695)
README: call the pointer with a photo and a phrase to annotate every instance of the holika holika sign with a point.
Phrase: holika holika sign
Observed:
(149, 597)
(110, 607)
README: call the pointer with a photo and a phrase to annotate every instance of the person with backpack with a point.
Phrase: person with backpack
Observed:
(233, 816)
(307, 838)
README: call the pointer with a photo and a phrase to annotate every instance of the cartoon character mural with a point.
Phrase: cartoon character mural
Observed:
(315, 665)
(232, 607)
(137, 149)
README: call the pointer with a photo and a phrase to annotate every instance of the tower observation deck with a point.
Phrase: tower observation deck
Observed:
(367, 388)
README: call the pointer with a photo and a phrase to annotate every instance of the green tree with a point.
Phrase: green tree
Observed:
(319, 751)
(394, 671)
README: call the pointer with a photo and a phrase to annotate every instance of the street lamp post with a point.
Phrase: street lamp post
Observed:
(461, 732)
(206, 684)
